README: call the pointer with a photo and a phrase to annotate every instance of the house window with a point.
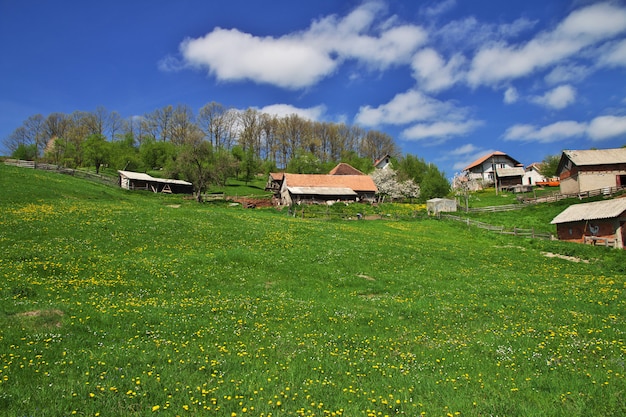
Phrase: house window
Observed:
(502, 165)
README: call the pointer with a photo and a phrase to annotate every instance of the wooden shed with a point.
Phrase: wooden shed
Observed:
(139, 181)
(597, 223)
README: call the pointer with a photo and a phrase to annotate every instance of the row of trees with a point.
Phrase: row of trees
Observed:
(210, 146)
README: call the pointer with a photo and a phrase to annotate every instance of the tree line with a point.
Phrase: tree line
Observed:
(211, 146)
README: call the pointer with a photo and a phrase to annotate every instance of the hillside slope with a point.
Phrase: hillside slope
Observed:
(126, 304)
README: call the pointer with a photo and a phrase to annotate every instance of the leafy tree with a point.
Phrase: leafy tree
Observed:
(124, 154)
(304, 163)
(96, 150)
(549, 166)
(250, 165)
(195, 161)
(25, 152)
(156, 155)
(433, 182)
(224, 166)
(363, 164)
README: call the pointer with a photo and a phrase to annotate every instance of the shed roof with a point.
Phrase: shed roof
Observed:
(510, 172)
(329, 191)
(592, 211)
(140, 176)
(597, 156)
(353, 182)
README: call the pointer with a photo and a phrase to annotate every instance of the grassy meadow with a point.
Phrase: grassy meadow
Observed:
(118, 303)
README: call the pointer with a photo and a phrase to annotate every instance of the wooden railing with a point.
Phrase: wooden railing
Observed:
(515, 231)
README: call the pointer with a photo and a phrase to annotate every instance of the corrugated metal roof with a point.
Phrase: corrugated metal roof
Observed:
(330, 191)
(597, 156)
(140, 176)
(591, 211)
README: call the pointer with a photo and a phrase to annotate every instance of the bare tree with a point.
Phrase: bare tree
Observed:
(158, 123)
(250, 130)
(182, 125)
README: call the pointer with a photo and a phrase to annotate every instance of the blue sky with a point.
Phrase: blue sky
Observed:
(449, 80)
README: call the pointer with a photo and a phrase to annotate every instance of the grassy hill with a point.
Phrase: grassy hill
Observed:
(118, 303)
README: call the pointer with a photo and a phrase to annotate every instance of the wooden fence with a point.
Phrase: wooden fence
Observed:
(495, 209)
(74, 172)
(515, 231)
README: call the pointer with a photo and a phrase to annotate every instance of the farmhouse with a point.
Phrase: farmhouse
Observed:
(588, 170)
(600, 222)
(140, 181)
(496, 168)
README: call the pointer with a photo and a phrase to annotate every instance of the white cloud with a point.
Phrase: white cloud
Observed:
(281, 110)
(233, 55)
(469, 33)
(567, 73)
(404, 108)
(582, 28)
(439, 131)
(432, 73)
(600, 128)
(550, 133)
(466, 154)
(511, 95)
(558, 98)
(301, 59)
(615, 55)
(606, 127)
(439, 8)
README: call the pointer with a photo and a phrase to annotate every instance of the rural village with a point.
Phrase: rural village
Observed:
(581, 174)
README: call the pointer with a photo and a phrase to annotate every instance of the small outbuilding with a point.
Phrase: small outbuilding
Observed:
(139, 181)
(440, 205)
(597, 223)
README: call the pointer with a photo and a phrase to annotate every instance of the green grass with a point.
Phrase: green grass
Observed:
(118, 303)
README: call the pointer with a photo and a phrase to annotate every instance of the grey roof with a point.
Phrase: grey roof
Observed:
(510, 172)
(321, 191)
(597, 156)
(592, 211)
(140, 176)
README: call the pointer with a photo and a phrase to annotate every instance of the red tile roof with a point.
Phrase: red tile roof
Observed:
(345, 169)
(486, 157)
(354, 182)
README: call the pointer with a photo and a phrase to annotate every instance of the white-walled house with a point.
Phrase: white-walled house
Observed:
(495, 168)
(532, 175)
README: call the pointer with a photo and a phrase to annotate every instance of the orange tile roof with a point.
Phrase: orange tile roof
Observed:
(354, 182)
(345, 169)
(484, 158)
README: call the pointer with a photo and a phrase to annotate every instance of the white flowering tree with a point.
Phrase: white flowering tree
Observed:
(389, 186)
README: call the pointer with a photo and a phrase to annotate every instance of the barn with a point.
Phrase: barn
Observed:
(139, 181)
(311, 188)
(595, 169)
(597, 223)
